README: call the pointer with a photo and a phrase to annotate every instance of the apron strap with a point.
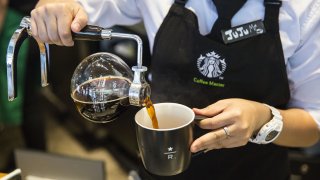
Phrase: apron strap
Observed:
(226, 9)
(181, 2)
(271, 18)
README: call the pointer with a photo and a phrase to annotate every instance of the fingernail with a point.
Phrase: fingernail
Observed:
(70, 44)
(194, 149)
(76, 26)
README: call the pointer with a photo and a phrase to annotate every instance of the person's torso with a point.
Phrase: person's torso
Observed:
(299, 24)
(292, 16)
(197, 70)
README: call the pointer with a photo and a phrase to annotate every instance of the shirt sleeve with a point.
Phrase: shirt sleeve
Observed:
(107, 13)
(304, 66)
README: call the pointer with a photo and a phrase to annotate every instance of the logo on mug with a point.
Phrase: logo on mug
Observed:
(170, 153)
(211, 65)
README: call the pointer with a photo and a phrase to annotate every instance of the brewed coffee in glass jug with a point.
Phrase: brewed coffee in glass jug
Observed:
(102, 85)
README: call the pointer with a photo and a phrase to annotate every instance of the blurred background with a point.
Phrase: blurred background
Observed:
(50, 123)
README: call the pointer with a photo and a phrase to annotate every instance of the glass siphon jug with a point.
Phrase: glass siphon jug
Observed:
(102, 85)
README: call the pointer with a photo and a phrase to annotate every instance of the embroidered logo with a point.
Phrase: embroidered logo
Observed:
(211, 65)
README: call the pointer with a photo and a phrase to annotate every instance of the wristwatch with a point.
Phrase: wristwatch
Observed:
(271, 130)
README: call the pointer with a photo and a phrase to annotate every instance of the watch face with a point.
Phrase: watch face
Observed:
(271, 135)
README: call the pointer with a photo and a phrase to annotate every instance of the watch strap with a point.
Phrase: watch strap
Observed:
(271, 130)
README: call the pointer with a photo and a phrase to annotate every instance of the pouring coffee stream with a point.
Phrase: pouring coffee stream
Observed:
(102, 84)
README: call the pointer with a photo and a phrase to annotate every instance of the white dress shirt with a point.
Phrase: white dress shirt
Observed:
(299, 31)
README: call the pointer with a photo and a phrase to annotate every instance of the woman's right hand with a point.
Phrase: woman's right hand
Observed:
(53, 20)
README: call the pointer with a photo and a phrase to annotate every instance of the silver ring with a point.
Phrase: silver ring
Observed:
(226, 131)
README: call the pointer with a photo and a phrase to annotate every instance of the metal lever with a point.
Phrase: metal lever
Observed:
(139, 88)
(23, 32)
(92, 33)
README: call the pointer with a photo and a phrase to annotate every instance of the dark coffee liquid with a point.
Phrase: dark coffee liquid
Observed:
(102, 99)
(151, 112)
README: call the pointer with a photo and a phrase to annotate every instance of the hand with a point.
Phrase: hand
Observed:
(242, 118)
(52, 21)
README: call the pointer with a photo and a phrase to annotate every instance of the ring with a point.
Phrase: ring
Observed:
(226, 131)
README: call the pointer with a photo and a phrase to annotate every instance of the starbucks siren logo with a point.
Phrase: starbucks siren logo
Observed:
(211, 65)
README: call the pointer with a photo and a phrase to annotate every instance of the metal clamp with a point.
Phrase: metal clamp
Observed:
(23, 32)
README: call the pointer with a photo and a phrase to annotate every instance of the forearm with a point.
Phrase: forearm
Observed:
(244, 118)
(299, 129)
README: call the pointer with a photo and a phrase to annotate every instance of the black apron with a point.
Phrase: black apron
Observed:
(197, 70)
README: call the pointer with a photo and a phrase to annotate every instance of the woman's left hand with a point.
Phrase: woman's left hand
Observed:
(232, 121)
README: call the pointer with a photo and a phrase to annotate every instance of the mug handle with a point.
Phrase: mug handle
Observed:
(198, 118)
